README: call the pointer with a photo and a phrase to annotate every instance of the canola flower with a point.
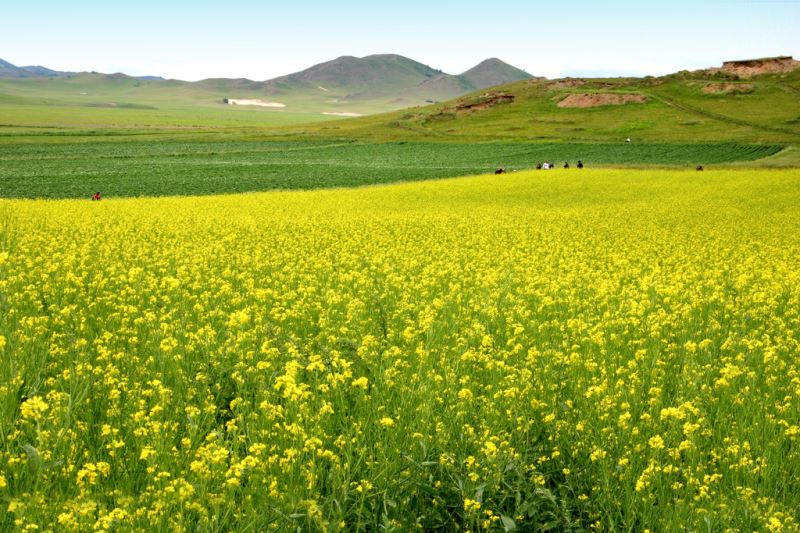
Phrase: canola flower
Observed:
(472, 354)
(33, 408)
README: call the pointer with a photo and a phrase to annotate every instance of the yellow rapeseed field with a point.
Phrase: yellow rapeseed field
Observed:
(609, 349)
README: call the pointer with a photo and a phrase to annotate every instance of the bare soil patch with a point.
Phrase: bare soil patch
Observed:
(484, 101)
(566, 84)
(600, 99)
(729, 88)
(754, 67)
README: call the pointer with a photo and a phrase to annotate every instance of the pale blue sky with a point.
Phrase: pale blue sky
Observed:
(260, 40)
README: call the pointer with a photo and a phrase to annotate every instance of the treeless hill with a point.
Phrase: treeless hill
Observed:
(7, 70)
(493, 72)
(702, 106)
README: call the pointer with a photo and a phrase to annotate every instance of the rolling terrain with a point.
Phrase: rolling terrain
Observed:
(706, 106)
(134, 140)
(604, 349)
(37, 98)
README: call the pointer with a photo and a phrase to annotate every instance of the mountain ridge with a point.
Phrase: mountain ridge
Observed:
(385, 75)
(350, 78)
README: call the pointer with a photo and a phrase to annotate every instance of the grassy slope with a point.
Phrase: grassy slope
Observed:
(677, 111)
(90, 101)
(374, 84)
(378, 77)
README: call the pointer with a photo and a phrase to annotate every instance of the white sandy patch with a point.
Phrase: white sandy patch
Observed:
(342, 114)
(321, 88)
(260, 103)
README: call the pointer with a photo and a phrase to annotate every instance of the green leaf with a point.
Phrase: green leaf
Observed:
(508, 523)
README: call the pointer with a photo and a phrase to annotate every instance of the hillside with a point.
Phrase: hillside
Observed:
(392, 74)
(392, 80)
(377, 73)
(493, 72)
(7, 70)
(709, 105)
(345, 86)
(750, 101)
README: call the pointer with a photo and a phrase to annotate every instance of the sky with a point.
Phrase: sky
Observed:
(199, 39)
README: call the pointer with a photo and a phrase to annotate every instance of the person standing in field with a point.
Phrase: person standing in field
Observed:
(96, 197)
(580, 163)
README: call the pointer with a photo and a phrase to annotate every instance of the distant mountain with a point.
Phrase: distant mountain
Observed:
(7, 70)
(376, 72)
(347, 76)
(38, 70)
(383, 76)
(445, 86)
(486, 74)
(346, 84)
(493, 72)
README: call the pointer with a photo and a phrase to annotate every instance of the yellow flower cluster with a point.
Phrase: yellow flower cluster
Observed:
(482, 353)
(33, 408)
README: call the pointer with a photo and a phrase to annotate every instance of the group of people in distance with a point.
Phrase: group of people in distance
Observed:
(543, 166)
(549, 166)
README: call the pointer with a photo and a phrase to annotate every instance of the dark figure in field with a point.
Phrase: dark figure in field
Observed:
(500, 171)
(566, 164)
(96, 197)
(580, 164)
(699, 168)
(538, 166)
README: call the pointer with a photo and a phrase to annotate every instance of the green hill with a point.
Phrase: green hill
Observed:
(493, 72)
(743, 102)
(385, 80)
(37, 97)
(708, 106)
(380, 74)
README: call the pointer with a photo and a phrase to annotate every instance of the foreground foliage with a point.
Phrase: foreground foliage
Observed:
(565, 350)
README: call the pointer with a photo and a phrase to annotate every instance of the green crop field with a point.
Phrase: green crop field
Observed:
(69, 169)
